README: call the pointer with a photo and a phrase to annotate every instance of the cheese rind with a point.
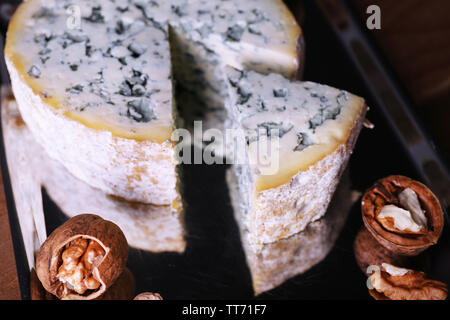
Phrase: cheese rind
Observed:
(316, 127)
(273, 263)
(146, 226)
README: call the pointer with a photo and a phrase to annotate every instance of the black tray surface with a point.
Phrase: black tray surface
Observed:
(213, 265)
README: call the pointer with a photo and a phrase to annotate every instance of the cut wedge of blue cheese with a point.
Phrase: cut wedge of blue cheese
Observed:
(315, 128)
(94, 79)
(271, 264)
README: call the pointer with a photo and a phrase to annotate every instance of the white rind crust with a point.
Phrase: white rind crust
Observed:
(285, 210)
(146, 226)
(272, 264)
(25, 188)
(118, 166)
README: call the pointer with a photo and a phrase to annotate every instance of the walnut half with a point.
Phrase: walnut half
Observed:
(82, 258)
(402, 214)
(393, 283)
(399, 220)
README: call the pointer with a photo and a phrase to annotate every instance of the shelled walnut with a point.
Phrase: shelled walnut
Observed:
(82, 258)
(78, 259)
(393, 283)
(403, 215)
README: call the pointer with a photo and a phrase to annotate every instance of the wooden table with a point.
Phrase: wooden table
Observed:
(414, 36)
(9, 285)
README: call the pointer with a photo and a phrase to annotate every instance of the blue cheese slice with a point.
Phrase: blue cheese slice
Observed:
(313, 129)
(94, 79)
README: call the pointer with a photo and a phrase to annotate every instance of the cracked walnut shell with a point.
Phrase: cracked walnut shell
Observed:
(393, 283)
(387, 193)
(122, 289)
(82, 258)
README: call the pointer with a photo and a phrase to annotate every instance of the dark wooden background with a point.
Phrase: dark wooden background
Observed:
(414, 36)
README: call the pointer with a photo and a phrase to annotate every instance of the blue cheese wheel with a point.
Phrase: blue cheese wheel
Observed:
(94, 79)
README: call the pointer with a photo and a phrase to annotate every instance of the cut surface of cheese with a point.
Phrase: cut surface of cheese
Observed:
(101, 73)
(311, 130)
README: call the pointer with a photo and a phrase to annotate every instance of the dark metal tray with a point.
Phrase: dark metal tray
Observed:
(213, 265)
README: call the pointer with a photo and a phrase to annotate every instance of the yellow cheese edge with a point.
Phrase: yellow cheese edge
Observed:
(158, 133)
(295, 163)
(293, 33)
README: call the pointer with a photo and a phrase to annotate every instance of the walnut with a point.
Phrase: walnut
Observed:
(399, 220)
(408, 199)
(78, 260)
(411, 220)
(82, 258)
(393, 283)
(403, 215)
(148, 296)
